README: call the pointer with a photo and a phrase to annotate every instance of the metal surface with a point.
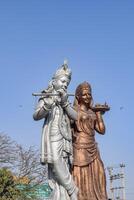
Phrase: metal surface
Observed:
(48, 94)
(88, 170)
(56, 144)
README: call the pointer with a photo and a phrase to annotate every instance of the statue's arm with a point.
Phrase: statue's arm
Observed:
(72, 114)
(42, 109)
(99, 124)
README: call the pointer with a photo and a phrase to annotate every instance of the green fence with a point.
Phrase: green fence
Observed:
(40, 191)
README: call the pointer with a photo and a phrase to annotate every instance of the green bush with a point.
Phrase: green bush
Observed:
(8, 190)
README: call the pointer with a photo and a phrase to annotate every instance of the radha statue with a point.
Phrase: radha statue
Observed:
(88, 169)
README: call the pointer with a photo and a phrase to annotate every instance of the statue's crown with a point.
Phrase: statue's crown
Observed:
(63, 71)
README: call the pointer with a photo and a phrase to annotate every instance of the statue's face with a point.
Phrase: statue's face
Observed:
(85, 97)
(61, 84)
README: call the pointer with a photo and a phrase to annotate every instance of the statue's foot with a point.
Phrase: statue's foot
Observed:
(74, 195)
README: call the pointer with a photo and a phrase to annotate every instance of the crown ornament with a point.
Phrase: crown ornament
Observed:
(63, 71)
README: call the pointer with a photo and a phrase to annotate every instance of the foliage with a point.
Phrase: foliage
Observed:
(8, 188)
(19, 166)
(27, 167)
(23, 162)
(7, 151)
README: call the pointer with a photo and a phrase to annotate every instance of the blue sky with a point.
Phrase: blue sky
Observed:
(97, 38)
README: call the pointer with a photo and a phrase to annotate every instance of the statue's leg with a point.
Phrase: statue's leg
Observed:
(61, 170)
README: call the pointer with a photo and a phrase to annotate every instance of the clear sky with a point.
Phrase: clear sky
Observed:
(97, 37)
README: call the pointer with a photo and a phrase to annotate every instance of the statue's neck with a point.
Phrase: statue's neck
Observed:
(83, 107)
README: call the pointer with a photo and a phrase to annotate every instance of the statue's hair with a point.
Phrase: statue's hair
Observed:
(80, 87)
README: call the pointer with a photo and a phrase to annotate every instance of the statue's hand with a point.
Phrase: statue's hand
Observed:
(64, 98)
(48, 103)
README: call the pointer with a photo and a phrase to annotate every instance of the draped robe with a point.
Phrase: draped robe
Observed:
(88, 171)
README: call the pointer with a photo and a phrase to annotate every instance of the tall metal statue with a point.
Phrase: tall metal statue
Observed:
(88, 171)
(53, 106)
